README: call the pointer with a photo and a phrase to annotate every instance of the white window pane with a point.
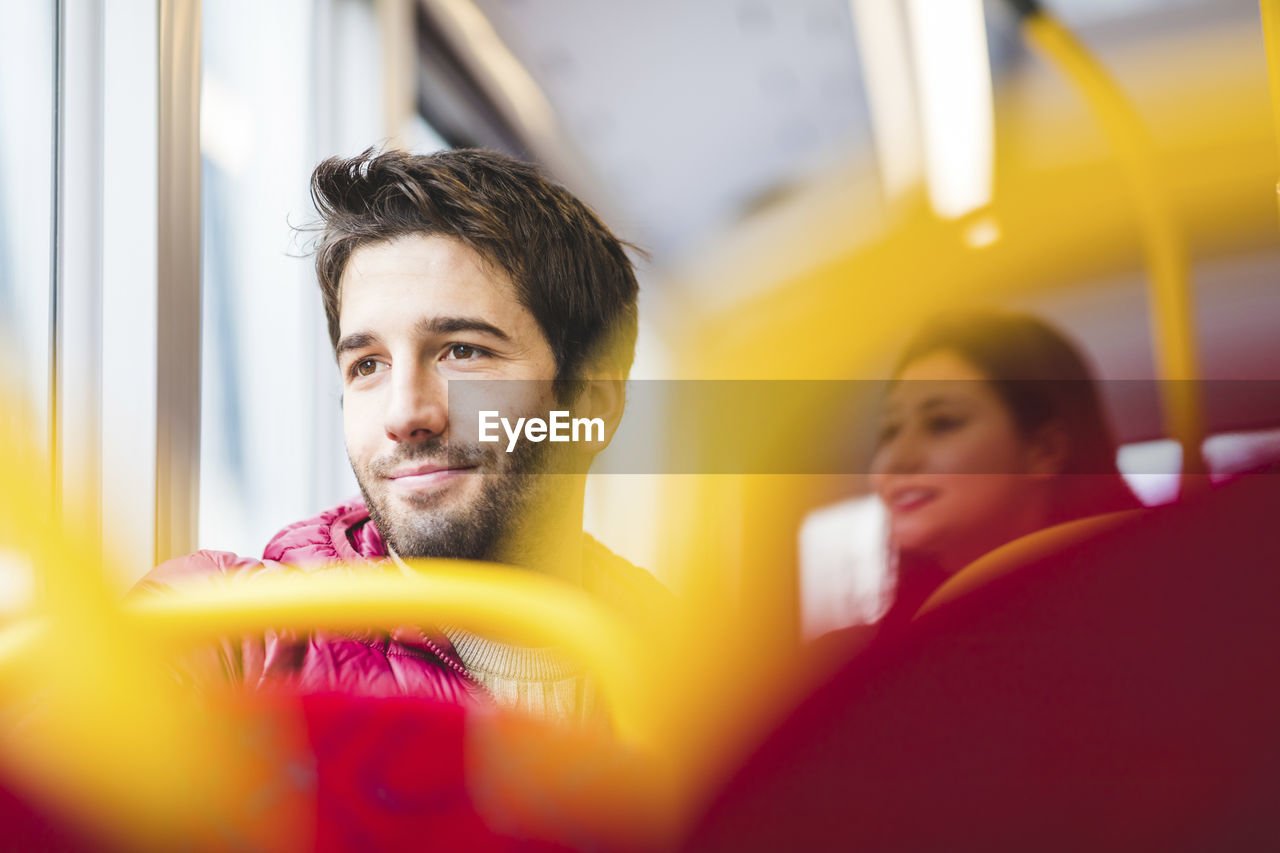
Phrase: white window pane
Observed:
(271, 450)
(27, 40)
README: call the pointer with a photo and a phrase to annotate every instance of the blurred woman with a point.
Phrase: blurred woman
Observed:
(992, 429)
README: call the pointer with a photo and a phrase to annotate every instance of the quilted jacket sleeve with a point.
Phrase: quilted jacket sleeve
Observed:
(224, 661)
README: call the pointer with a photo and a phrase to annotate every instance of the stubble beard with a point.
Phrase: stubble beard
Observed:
(430, 525)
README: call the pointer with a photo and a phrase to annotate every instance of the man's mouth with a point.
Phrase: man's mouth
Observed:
(909, 499)
(417, 478)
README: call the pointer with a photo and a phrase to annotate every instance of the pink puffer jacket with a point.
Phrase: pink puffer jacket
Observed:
(407, 661)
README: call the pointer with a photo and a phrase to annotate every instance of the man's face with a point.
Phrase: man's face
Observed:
(415, 313)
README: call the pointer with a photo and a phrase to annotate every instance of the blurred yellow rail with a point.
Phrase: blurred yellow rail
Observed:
(1170, 297)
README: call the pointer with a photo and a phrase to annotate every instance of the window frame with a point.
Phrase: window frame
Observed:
(126, 289)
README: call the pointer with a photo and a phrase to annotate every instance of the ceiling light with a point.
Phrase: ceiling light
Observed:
(953, 76)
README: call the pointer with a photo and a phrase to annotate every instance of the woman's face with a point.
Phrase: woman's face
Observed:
(952, 469)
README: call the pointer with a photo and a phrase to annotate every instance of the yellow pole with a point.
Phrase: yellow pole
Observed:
(1271, 37)
(1169, 287)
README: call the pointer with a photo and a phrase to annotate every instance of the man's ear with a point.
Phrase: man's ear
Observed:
(602, 396)
(1048, 450)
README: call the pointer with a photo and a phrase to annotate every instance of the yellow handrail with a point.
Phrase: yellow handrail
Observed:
(88, 671)
(1169, 285)
(1271, 38)
(478, 596)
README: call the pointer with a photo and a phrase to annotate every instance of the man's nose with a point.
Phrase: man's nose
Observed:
(419, 406)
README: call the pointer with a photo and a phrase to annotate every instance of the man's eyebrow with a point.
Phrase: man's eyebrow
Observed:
(355, 340)
(453, 325)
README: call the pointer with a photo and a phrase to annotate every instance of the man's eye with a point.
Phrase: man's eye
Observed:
(365, 367)
(462, 352)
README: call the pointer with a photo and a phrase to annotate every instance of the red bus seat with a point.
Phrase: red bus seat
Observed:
(1118, 692)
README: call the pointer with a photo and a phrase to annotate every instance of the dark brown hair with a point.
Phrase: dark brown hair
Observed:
(568, 269)
(1042, 378)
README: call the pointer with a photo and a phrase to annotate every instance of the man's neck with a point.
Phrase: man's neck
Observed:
(549, 542)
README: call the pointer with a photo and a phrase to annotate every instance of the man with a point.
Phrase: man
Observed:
(437, 272)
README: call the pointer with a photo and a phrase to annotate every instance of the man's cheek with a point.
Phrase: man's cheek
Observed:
(359, 430)
(465, 426)
(477, 406)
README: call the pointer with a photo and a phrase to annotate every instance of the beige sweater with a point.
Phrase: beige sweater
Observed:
(535, 681)
(540, 681)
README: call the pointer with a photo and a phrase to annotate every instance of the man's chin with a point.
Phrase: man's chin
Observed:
(434, 533)
(436, 523)
(464, 513)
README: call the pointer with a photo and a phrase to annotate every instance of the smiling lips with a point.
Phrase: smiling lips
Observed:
(422, 477)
